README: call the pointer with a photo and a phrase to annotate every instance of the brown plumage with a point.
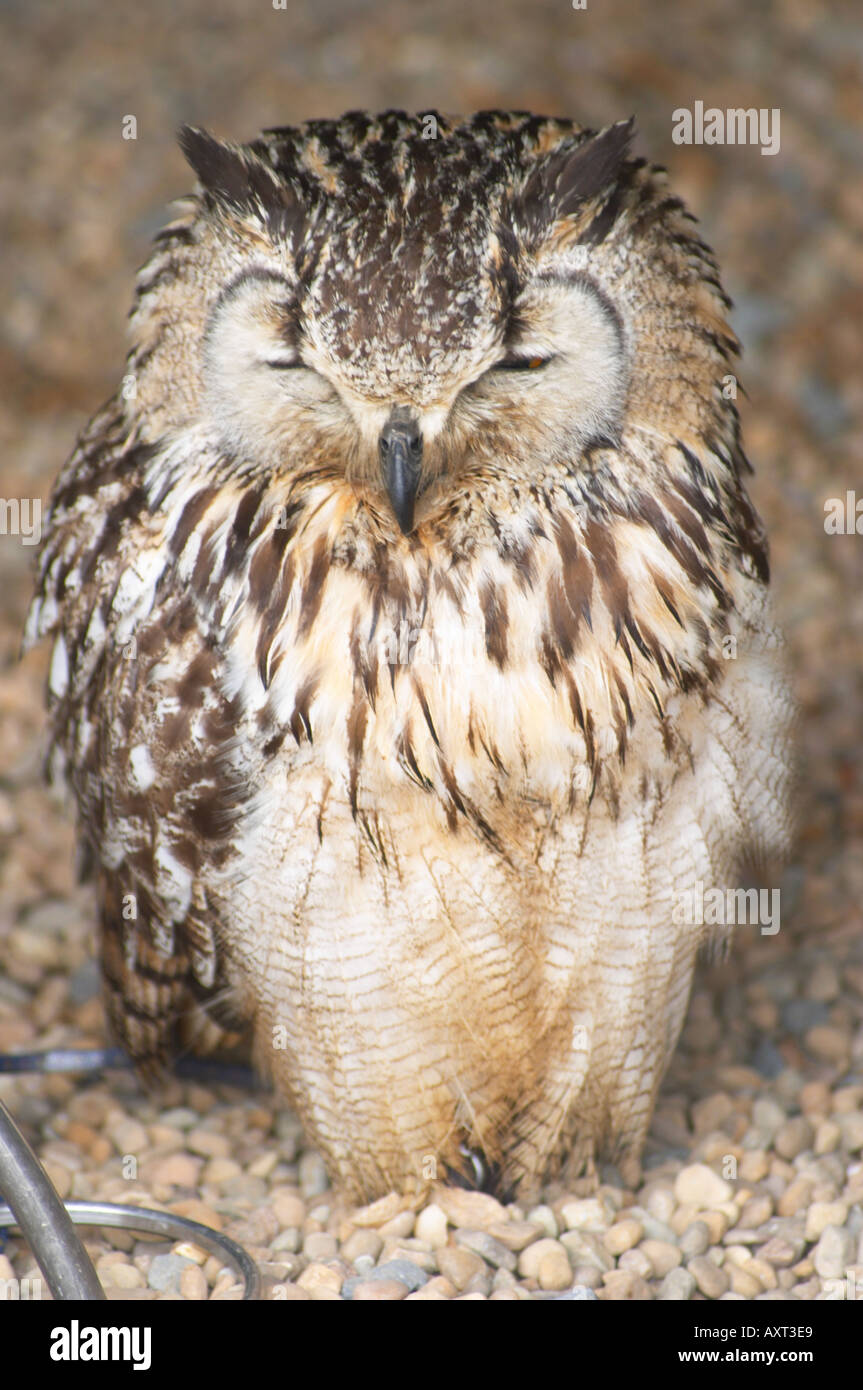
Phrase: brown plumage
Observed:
(412, 655)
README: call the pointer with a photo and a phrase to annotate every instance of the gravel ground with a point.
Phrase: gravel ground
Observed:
(753, 1183)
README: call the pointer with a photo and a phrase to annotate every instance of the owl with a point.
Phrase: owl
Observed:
(412, 658)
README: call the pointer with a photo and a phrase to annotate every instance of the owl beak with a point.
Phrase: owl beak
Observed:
(401, 452)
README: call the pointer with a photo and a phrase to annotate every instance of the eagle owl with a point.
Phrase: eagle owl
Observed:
(412, 658)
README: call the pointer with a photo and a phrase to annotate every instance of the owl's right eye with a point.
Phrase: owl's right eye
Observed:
(282, 364)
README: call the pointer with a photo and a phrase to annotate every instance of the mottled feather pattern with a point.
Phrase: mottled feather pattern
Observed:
(415, 806)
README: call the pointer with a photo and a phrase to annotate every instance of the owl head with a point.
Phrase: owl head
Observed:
(412, 307)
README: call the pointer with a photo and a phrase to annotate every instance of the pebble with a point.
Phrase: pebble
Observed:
(712, 1281)
(545, 1218)
(662, 1254)
(165, 1271)
(471, 1209)
(515, 1235)
(554, 1270)
(757, 1210)
(793, 1137)
(320, 1246)
(379, 1291)
(828, 1044)
(851, 1129)
(431, 1225)
(312, 1174)
(795, 1197)
(621, 1285)
(623, 1235)
(823, 1214)
(587, 1213)
(833, 1253)
(584, 1248)
(695, 1240)
(460, 1265)
(494, 1252)
(529, 1259)
(193, 1284)
(362, 1244)
(699, 1186)
(678, 1285)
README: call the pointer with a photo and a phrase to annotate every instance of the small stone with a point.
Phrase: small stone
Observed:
(587, 1213)
(677, 1286)
(544, 1216)
(828, 1044)
(320, 1280)
(767, 1116)
(179, 1170)
(494, 1252)
(636, 1262)
(436, 1288)
(833, 1253)
(827, 1137)
(623, 1235)
(662, 1255)
(718, 1222)
(399, 1226)
(795, 1197)
(712, 1281)
(126, 1276)
(698, 1186)
(695, 1240)
(851, 1129)
(793, 1137)
(431, 1226)
(515, 1235)
(530, 1258)
(660, 1201)
(710, 1114)
(554, 1270)
(459, 1265)
(744, 1283)
(823, 984)
(823, 1214)
(578, 1293)
(379, 1291)
(587, 1275)
(585, 1248)
(320, 1246)
(620, 1285)
(472, 1209)
(778, 1252)
(405, 1271)
(362, 1243)
(220, 1171)
(208, 1143)
(165, 1271)
(815, 1098)
(754, 1166)
(756, 1211)
(848, 1100)
(128, 1137)
(289, 1207)
(193, 1284)
(313, 1175)
(763, 1271)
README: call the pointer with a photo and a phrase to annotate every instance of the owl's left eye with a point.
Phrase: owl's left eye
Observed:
(514, 363)
(284, 364)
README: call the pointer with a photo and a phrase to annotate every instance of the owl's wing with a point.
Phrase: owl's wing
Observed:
(141, 730)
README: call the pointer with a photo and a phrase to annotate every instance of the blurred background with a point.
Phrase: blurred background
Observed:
(79, 205)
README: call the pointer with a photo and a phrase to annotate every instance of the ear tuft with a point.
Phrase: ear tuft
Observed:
(239, 180)
(567, 178)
